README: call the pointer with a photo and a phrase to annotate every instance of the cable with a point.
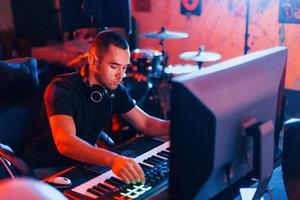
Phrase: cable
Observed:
(7, 168)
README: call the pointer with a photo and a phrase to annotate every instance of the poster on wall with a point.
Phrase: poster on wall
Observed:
(190, 7)
(289, 11)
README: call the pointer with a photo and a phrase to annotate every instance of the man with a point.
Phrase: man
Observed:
(79, 104)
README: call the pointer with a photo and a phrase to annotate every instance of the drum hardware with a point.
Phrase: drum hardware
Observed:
(162, 35)
(164, 84)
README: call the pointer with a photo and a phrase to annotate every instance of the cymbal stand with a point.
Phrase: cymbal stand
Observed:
(199, 64)
(165, 56)
(165, 82)
(201, 49)
(163, 51)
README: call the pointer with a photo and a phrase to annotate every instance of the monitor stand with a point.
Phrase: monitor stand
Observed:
(263, 155)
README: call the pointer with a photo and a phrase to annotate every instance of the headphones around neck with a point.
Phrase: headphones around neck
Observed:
(96, 93)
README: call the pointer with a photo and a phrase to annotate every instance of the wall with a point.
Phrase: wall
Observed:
(221, 28)
(6, 19)
(6, 30)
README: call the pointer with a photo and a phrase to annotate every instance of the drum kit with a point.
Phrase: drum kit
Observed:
(148, 77)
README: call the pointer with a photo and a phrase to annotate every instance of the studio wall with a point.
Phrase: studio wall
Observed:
(221, 28)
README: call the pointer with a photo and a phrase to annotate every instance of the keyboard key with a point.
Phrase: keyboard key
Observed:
(150, 162)
(95, 192)
(105, 187)
(109, 181)
(163, 155)
(137, 191)
(145, 187)
(95, 187)
(166, 152)
(117, 180)
(132, 195)
(155, 160)
(158, 158)
(145, 167)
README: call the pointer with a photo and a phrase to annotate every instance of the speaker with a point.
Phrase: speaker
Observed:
(107, 13)
(191, 7)
(292, 106)
(291, 148)
(36, 20)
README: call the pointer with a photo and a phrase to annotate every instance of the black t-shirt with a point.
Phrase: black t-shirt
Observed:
(69, 95)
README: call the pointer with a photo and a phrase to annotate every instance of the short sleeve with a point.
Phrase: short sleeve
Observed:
(58, 99)
(122, 101)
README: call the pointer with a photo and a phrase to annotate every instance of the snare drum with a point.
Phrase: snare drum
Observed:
(146, 62)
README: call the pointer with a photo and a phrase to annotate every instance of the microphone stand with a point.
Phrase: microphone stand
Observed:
(246, 47)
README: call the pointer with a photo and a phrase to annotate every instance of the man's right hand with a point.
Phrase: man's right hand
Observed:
(128, 170)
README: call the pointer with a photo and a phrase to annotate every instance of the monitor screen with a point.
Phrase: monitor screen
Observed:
(209, 109)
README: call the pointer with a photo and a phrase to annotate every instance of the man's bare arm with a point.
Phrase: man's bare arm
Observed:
(147, 124)
(69, 145)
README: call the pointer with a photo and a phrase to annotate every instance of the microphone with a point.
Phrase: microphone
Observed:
(104, 137)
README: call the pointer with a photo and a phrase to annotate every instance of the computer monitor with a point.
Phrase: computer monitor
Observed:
(209, 112)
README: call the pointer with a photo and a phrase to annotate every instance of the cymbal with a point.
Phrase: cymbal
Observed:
(179, 69)
(164, 34)
(200, 56)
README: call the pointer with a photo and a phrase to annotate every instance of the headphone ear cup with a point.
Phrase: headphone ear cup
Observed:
(98, 94)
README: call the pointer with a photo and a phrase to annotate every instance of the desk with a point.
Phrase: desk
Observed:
(281, 188)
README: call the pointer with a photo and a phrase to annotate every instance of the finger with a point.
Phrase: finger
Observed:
(124, 177)
(134, 172)
(128, 175)
(140, 172)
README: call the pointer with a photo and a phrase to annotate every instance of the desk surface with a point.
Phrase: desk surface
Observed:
(281, 188)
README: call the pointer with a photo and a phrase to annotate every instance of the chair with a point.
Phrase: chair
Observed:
(20, 104)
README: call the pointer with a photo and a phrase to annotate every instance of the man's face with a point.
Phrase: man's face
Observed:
(110, 71)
